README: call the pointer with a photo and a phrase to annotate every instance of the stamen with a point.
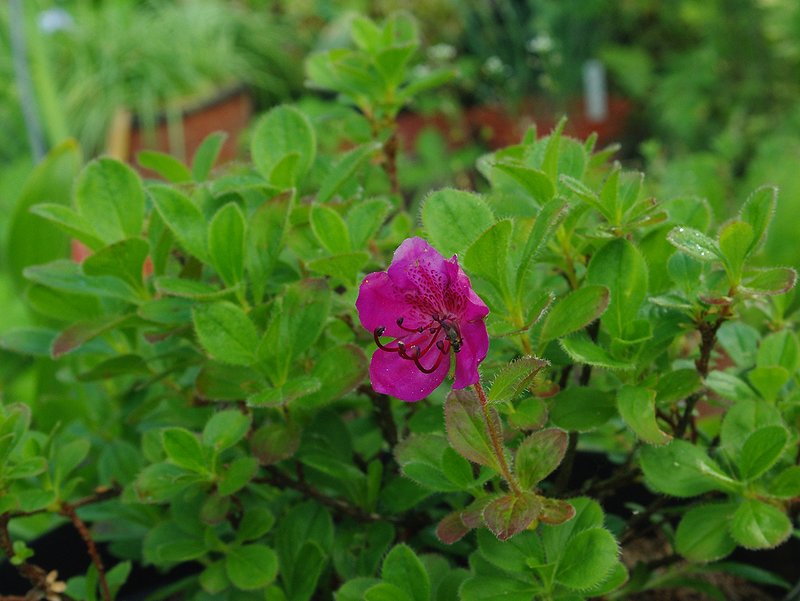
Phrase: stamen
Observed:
(435, 366)
(377, 332)
(418, 330)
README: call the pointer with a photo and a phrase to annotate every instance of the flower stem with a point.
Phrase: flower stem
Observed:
(497, 443)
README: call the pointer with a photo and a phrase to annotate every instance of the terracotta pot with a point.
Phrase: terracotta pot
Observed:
(228, 110)
(498, 127)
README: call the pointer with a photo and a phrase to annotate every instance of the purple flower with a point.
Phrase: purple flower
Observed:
(426, 304)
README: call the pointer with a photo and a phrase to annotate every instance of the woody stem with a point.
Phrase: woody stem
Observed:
(497, 443)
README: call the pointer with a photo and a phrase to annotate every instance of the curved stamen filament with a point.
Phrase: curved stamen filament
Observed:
(418, 330)
(411, 350)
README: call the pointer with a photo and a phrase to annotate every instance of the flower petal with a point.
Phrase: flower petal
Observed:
(474, 346)
(398, 377)
(380, 304)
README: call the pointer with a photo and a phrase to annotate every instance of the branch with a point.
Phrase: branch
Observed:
(68, 510)
(278, 479)
(708, 339)
(384, 413)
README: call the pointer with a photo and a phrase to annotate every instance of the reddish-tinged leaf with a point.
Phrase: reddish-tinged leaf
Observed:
(539, 455)
(472, 516)
(84, 331)
(555, 511)
(511, 514)
(274, 442)
(451, 529)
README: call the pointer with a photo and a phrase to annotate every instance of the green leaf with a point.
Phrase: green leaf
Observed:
(340, 369)
(225, 429)
(529, 414)
(251, 567)
(781, 349)
(206, 155)
(302, 525)
(265, 240)
(386, 592)
(583, 350)
(275, 441)
(165, 165)
(515, 378)
(365, 219)
(539, 455)
(123, 260)
(255, 523)
(31, 241)
(497, 588)
(35, 342)
(487, 257)
(587, 559)
(121, 365)
(729, 386)
(226, 243)
(345, 267)
(109, 195)
(237, 475)
(786, 485)
(466, 427)
(160, 482)
(65, 458)
(769, 282)
(166, 311)
(735, 242)
(757, 525)
(421, 458)
(547, 221)
(674, 386)
(213, 578)
(620, 267)
(581, 408)
(575, 311)
(226, 333)
(190, 289)
(183, 448)
(683, 470)
(330, 229)
(71, 222)
(703, 534)
(761, 450)
(167, 543)
(283, 395)
(638, 408)
(535, 182)
(345, 170)
(743, 418)
(183, 218)
(304, 582)
(403, 568)
(685, 271)
(454, 219)
(282, 131)
(511, 514)
(758, 211)
(66, 276)
(694, 243)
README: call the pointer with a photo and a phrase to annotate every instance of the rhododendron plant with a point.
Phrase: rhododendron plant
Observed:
(426, 304)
